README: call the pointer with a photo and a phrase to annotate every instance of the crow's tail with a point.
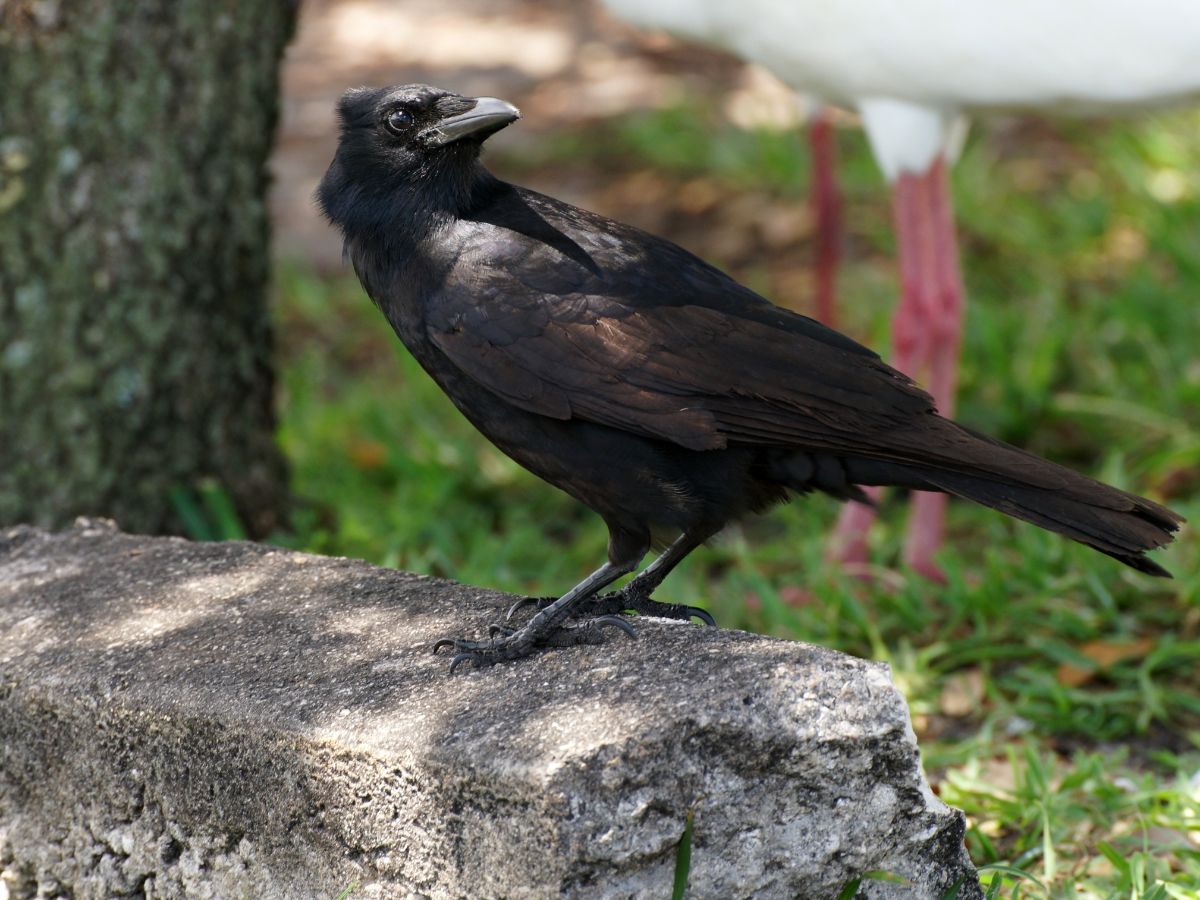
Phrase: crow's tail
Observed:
(971, 465)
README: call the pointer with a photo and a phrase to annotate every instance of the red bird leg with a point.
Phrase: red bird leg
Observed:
(925, 331)
(942, 325)
(848, 542)
(826, 204)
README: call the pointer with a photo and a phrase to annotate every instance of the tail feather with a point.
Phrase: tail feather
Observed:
(976, 467)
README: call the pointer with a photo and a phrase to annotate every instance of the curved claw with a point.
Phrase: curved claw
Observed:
(497, 629)
(682, 612)
(461, 658)
(643, 605)
(519, 605)
(615, 622)
(539, 602)
(444, 642)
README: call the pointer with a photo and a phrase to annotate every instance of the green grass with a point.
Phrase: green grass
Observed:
(1056, 694)
(683, 860)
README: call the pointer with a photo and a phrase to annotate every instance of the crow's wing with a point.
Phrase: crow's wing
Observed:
(622, 329)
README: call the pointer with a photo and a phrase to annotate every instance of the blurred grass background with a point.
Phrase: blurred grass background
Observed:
(1056, 694)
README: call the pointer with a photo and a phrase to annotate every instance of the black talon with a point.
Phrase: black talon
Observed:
(539, 602)
(619, 602)
(507, 644)
(678, 611)
(615, 622)
(520, 605)
(548, 628)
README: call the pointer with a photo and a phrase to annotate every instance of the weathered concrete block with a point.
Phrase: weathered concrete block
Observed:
(235, 720)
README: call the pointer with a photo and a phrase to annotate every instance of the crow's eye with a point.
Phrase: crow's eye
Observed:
(398, 121)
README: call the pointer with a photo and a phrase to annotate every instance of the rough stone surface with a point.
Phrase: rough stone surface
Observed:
(235, 720)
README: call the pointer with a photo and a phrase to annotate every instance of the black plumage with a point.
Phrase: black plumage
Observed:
(639, 379)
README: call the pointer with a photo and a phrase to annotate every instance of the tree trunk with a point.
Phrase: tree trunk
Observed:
(135, 350)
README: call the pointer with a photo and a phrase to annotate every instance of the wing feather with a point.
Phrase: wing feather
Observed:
(692, 375)
(570, 315)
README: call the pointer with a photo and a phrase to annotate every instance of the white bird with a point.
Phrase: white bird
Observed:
(913, 71)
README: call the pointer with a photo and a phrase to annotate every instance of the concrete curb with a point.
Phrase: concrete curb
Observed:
(224, 720)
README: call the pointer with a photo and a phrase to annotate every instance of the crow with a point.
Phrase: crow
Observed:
(640, 380)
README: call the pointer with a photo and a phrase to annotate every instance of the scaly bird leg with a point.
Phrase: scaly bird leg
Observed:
(546, 628)
(926, 334)
(826, 205)
(635, 596)
(943, 326)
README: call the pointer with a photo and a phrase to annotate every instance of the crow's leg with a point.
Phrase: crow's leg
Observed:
(548, 627)
(545, 629)
(636, 595)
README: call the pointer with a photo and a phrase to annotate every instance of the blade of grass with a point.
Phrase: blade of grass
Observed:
(683, 859)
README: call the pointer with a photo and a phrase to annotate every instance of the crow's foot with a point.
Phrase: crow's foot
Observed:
(621, 601)
(538, 603)
(507, 644)
(618, 603)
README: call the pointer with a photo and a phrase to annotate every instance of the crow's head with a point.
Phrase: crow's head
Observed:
(398, 143)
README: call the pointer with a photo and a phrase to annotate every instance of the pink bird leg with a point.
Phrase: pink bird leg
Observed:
(927, 334)
(826, 206)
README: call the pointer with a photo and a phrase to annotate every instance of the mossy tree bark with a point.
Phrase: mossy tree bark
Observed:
(135, 348)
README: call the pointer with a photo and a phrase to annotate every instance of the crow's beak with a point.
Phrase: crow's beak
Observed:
(487, 117)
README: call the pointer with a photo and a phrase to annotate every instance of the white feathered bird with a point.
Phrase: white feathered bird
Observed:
(914, 71)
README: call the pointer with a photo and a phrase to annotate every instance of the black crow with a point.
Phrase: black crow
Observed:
(639, 379)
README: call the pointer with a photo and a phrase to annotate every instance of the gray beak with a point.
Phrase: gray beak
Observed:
(488, 115)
